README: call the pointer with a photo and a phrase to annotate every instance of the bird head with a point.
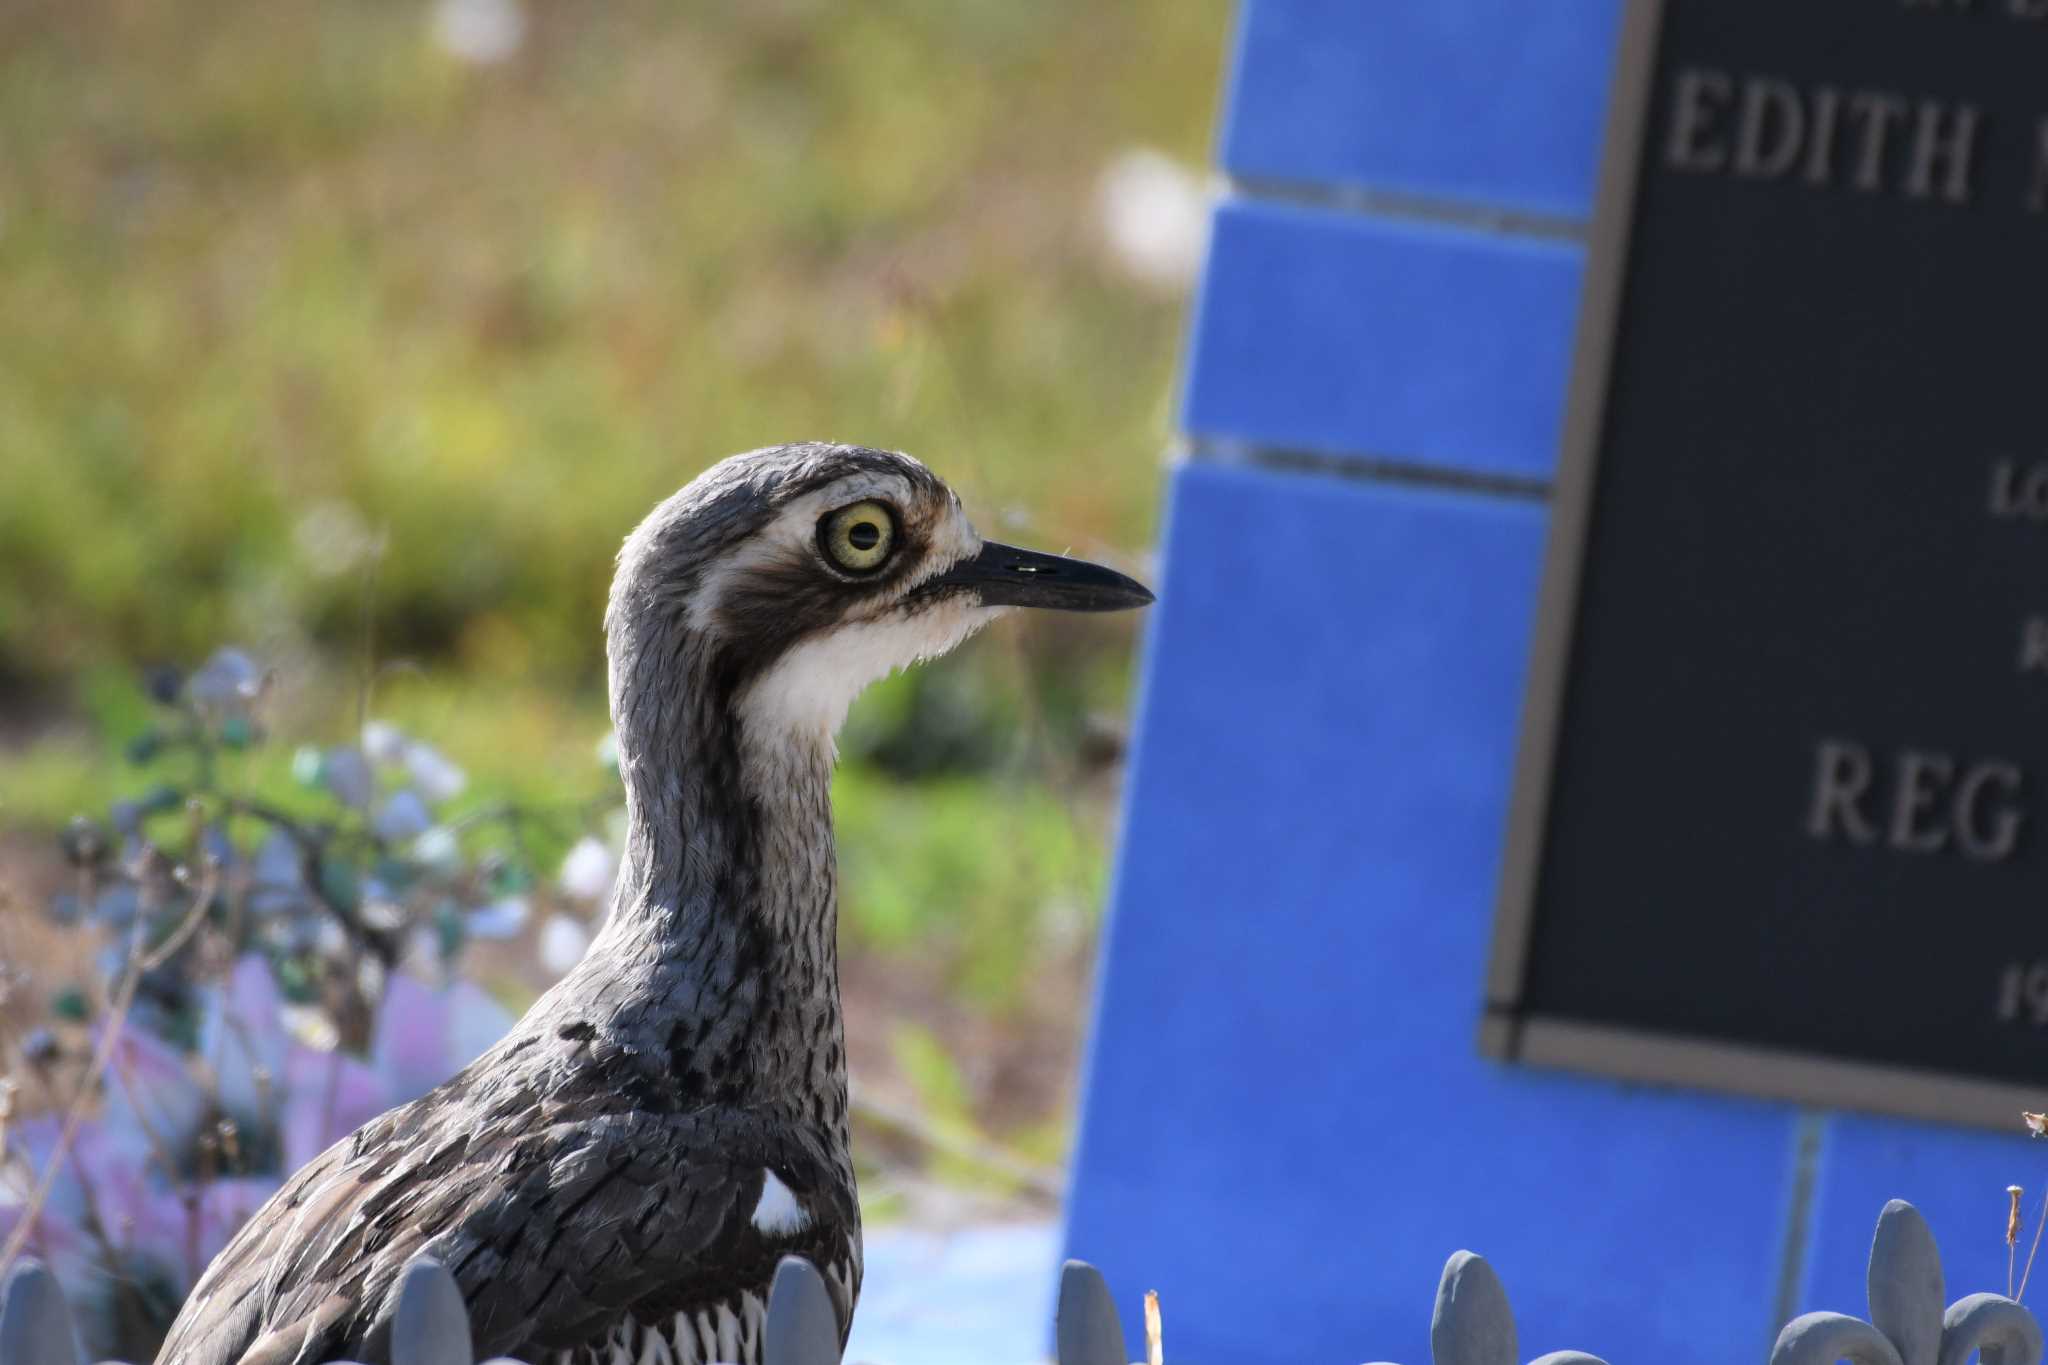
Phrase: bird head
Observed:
(788, 579)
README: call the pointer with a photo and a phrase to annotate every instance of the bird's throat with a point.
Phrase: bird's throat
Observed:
(725, 918)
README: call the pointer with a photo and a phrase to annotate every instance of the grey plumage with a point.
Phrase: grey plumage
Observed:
(618, 1178)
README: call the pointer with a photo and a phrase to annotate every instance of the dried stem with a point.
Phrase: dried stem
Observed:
(103, 1052)
(2012, 1231)
(74, 1112)
(2038, 1222)
(366, 665)
(186, 927)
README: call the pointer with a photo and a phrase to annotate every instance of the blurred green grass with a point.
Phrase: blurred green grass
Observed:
(316, 339)
(275, 279)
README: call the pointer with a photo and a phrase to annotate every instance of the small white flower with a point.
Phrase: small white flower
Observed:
(332, 537)
(382, 914)
(438, 848)
(370, 976)
(422, 955)
(562, 942)
(1155, 217)
(480, 31)
(587, 871)
(309, 1025)
(384, 742)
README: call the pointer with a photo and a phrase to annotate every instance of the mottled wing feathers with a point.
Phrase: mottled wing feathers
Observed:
(553, 1224)
(224, 1311)
(625, 1214)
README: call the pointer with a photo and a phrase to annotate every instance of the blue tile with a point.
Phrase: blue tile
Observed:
(1287, 1127)
(978, 1293)
(1956, 1177)
(1347, 335)
(1490, 102)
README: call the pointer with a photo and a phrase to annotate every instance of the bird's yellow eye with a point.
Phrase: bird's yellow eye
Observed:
(860, 538)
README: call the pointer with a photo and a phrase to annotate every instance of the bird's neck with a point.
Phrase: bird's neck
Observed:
(725, 918)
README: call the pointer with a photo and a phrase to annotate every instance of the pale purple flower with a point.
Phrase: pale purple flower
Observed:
(242, 1039)
(331, 1095)
(121, 1174)
(59, 1240)
(402, 816)
(476, 1021)
(433, 772)
(277, 876)
(347, 774)
(502, 918)
(424, 1035)
(226, 683)
(150, 1090)
(118, 1173)
(225, 1204)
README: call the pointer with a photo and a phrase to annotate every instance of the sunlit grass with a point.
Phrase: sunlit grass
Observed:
(317, 341)
(267, 272)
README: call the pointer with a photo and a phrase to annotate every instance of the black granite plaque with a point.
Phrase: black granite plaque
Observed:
(1781, 818)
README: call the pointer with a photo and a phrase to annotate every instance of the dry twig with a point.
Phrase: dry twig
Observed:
(2012, 1232)
(138, 962)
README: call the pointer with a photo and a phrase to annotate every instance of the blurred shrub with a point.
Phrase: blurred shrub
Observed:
(276, 939)
(266, 976)
(320, 321)
(280, 284)
(978, 878)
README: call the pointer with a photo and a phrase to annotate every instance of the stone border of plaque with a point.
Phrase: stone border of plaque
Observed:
(1510, 1029)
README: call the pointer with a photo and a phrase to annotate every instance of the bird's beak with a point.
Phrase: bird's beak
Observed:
(1005, 576)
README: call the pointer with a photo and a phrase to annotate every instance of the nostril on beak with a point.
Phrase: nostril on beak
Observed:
(1004, 575)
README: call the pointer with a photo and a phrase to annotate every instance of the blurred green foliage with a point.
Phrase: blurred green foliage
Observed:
(280, 281)
(319, 340)
(976, 875)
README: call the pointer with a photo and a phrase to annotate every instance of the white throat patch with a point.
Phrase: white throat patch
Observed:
(808, 690)
(778, 1214)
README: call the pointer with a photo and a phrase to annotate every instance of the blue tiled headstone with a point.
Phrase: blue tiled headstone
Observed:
(1287, 1125)
(1409, 343)
(1955, 1177)
(1492, 103)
